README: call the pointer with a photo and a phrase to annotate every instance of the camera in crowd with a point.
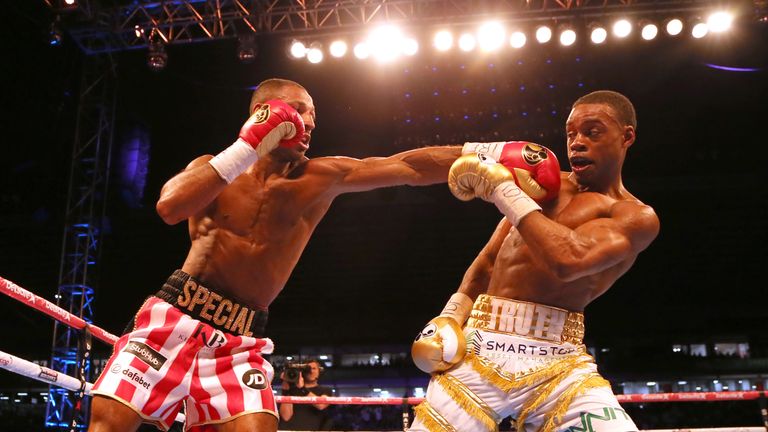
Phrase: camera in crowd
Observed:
(294, 370)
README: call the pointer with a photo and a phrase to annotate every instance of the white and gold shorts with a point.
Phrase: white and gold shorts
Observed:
(527, 361)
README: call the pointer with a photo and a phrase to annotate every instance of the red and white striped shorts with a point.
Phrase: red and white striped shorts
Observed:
(170, 358)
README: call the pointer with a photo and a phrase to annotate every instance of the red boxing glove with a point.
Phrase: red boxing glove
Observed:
(536, 168)
(272, 123)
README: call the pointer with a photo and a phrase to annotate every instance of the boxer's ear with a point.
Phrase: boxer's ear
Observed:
(629, 136)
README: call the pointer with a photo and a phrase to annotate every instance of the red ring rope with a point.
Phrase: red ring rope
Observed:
(43, 305)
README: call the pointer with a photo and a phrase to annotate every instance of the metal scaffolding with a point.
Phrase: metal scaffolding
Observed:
(97, 29)
(89, 173)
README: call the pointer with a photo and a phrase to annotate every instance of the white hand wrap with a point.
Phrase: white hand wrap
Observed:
(234, 160)
(513, 202)
(458, 307)
(492, 149)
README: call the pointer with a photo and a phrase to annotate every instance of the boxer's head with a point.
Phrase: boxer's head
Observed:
(295, 95)
(599, 130)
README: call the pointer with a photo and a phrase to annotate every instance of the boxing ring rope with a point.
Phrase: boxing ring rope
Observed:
(52, 377)
(28, 298)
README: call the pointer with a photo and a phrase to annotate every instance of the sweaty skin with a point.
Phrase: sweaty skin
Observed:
(248, 236)
(583, 241)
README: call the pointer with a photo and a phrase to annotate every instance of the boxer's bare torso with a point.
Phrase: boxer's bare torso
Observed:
(584, 240)
(519, 275)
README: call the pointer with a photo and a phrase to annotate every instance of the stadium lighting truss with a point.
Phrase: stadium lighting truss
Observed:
(98, 28)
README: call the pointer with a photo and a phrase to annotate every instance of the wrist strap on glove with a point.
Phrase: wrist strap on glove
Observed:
(513, 202)
(234, 160)
(458, 307)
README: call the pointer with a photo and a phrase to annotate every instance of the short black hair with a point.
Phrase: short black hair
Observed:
(620, 104)
(268, 89)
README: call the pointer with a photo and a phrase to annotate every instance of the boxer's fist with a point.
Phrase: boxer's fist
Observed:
(273, 123)
(535, 168)
(476, 175)
(439, 346)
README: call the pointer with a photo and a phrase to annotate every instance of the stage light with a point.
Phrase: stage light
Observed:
(622, 28)
(699, 30)
(467, 42)
(246, 49)
(490, 36)
(157, 58)
(517, 40)
(567, 36)
(674, 27)
(385, 43)
(543, 34)
(338, 48)
(443, 40)
(648, 30)
(315, 53)
(409, 46)
(362, 51)
(69, 2)
(598, 34)
(719, 22)
(298, 49)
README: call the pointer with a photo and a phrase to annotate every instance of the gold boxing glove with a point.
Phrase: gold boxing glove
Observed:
(441, 344)
(476, 175)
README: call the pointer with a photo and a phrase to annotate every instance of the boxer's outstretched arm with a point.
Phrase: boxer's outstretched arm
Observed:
(190, 191)
(594, 246)
(419, 167)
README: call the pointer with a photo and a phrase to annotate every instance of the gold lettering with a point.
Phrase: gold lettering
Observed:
(184, 299)
(556, 324)
(201, 295)
(523, 323)
(218, 319)
(232, 316)
(495, 311)
(508, 311)
(239, 325)
(213, 297)
(247, 331)
(541, 316)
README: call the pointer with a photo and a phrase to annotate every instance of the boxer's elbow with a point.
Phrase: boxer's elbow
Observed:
(567, 271)
(569, 267)
(168, 212)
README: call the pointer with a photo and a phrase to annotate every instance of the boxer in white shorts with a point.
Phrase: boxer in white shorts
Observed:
(537, 372)
(565, 238)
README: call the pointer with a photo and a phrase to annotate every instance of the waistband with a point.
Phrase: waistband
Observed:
(188, 294)
(531, 320)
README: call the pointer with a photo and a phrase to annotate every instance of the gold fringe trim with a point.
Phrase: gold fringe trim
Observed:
(506, 381)
(432, 420)
(545, 390)
(587, 382)
(468, 401)
(544, 380)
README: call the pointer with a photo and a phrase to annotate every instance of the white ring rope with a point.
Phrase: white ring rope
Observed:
(41, 373)
(52, 377)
